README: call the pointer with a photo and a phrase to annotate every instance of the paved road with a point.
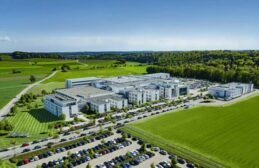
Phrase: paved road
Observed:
(94, 129)
(6, 109)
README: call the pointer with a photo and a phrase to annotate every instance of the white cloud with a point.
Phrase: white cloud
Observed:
(4, 38)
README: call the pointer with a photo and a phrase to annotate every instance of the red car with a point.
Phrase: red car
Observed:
(25, 144)
(26, 161)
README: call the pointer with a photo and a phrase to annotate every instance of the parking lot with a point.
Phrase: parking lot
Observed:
(105, 160)
(61, 154)
(57, 158)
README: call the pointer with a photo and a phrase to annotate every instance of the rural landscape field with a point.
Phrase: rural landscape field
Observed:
(129, 84)
(38, 118)
(227, 134)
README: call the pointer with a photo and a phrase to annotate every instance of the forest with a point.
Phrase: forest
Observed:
(215, 65)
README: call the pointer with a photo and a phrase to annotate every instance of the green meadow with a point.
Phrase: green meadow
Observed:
(33, 121)
(225, 134)
(12, 83)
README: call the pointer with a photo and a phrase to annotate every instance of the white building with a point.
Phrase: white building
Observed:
(152, 94)
(137, 96)
(104, 93)
(105, 103)
(57, 104)
(80, 82)
(71, 101)
(172, 90)
(231, 90)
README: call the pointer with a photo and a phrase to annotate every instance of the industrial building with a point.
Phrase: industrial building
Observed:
(230, 90)
(103, 94)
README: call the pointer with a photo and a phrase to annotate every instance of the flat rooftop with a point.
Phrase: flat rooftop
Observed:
(61, 98)
(123, 79)
(84, 92)
(104, 99)
(83, 79)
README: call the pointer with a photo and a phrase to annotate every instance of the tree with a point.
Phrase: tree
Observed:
(110, 128)
(88, 165)
(174, 162)
(44, 92)
(143, 147)
(13, 142)
(100, 129)
(102, 141)
(36, 106)
(152, 165)
(28, 106)
(62, 116)
(69, 153)
(32, 78)
(14, 110)
(124, 136)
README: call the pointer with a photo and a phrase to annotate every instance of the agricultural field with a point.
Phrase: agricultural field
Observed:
(34, 122)
(100, 68)
(37, 118)
(12, 83)
(225, 134)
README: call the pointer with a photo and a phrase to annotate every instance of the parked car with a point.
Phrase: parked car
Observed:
(26, 150)
(25, 144)
(37, 147)
(162, 152)
(63, 140)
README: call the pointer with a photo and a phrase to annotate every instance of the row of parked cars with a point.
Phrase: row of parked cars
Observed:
(160, 151)
(132, 158)
(85, 155)
(62, 149)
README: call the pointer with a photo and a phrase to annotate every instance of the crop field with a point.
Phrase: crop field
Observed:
(34, 122)
(225, 134)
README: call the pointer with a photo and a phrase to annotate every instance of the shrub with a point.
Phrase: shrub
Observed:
(13, 160)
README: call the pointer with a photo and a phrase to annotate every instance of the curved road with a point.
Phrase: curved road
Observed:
(6, 109)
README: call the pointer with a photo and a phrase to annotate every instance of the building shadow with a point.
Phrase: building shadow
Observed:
(42, 115)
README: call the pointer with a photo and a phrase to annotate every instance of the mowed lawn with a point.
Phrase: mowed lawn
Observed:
(34, 122)
(227, 134)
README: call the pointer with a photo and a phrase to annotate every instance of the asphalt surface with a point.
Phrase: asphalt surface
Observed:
(74, 135)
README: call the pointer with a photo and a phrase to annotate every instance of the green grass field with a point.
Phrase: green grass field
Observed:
(12, 83)
(6, 164)
(34, 122)
(225, 134)
(96, 68)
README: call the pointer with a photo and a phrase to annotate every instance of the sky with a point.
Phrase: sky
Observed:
(128, 25)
